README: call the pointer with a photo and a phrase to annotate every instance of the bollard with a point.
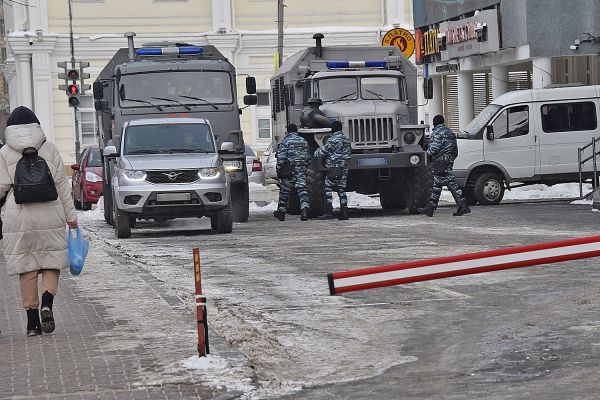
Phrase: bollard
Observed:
(201, 314)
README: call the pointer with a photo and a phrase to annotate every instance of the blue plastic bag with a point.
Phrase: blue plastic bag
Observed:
(78, 249)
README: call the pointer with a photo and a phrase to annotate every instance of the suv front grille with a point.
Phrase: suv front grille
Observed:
(172, 176)
(370, 131)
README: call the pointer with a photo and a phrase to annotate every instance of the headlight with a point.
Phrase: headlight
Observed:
(134, 175)
(92, 177)
(410, 137)
(210, 173)
(234, 165)
(414, 159)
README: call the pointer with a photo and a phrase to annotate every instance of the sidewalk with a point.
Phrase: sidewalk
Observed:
(118, 335)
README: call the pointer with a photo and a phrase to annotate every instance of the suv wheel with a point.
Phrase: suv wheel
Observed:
(240, 199)
(222, 221)
(489, 188)
(122, 223)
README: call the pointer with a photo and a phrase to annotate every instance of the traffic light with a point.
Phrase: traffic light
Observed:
(83, 76)
(73, 93)
(74, 76)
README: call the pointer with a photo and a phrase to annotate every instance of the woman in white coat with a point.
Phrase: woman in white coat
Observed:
(34, 234)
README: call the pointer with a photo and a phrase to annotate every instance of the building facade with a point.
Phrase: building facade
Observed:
(476, 50)
(37, 37)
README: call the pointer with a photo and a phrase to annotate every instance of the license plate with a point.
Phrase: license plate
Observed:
(173, 197)
(372, 161)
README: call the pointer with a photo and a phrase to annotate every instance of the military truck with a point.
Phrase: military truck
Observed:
(173, 80)
(372, 91)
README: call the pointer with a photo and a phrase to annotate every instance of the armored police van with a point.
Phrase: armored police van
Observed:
(526, 137)
(372, 91)
(174, 80)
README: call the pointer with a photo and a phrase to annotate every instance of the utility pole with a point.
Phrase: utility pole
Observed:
(280, 6)
(75, 109)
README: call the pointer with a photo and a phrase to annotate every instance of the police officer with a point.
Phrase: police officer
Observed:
(442, 151)
(292, 161)
(337, 152)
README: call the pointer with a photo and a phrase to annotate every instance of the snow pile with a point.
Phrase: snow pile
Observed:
(217, 372)
(269, 208)
(357, 200)
(536, 192)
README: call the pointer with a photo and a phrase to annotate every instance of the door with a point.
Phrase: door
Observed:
(514, 146)
(566, 126)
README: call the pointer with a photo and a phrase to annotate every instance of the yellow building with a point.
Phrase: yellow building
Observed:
(243, 30)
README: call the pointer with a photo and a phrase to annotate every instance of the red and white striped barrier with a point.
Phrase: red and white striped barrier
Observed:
(464, 264)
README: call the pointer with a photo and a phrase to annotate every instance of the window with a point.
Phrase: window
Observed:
(94, 160)
(336, 89)
(263, 97)
(264, 128)
(171, 138)
(87, 121)
(381, 88)
(512, 122)
(564, 117)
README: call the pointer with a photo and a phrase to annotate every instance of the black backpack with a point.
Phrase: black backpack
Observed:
(33, 179)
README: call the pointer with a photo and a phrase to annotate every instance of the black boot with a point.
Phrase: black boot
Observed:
(304, 214)
(34, 327)
(427, 210)
(343, 213)
(280, 215)
(463, 208)
(328, 214)
(46, 312)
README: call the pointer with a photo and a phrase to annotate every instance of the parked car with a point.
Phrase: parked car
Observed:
(269, 166)
(86, 182)
(526, 137)
(254, 167)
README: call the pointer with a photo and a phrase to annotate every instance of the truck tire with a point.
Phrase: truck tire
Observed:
(240, 202)
(107, 197)
(315, 185)
(489, 188)
(418, 188)
(222, 221)
(393, 196)
(122, 224)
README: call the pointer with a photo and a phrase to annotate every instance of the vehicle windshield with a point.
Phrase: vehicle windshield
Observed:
(475, 129)
(371, 88)
(168, 138)
(169, 88)
(94, 160)
(381, 88)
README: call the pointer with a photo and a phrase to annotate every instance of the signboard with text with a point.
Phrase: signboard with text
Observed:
(402, 39)
(474, 35)
(429, 12)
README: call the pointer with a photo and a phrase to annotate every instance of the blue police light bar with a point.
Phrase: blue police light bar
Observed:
(355, 64)
(160, 51)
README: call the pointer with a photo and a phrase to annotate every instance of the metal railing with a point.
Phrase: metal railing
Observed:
(594, 158)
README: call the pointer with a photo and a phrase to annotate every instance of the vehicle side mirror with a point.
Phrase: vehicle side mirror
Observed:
(75, 167)
(98, 90)
(111, 152)
(428, 88)
(489, 132)
(250, 100)
(251, 85)
(227, 147)
(100, 105)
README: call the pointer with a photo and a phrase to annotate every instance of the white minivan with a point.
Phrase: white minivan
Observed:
(526, 137)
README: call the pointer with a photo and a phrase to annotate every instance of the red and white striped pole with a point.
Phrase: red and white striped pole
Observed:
(203, 348)
(464, 264)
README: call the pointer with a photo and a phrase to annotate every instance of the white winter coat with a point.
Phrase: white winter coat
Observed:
(35, 235)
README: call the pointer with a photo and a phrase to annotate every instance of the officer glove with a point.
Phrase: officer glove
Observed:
(318, 153)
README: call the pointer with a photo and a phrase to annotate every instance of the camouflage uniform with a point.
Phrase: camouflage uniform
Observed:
(442, 151)
(294, 149)
(337, 152)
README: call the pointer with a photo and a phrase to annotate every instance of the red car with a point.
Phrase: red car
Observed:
(86, 182)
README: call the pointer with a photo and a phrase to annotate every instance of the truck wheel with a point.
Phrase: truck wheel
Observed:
(240, 202)
(489, 188)
(418, 190)
(222, 221)
(106, 196)
(315, 185)
(122, 224)
(393, 196)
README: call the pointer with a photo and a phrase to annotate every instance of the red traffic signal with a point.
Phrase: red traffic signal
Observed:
(73, 74)
(72, 90)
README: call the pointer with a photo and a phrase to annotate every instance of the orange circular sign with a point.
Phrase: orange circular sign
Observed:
(402, 39)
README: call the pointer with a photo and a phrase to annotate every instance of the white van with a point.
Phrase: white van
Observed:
(526, 137)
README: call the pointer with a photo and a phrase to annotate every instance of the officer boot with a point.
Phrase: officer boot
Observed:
(280, 215)
(343, 213)
(427, 210)
(463, 208)
(34, 326)
(328, 214)
(46, 311)
(304, 214)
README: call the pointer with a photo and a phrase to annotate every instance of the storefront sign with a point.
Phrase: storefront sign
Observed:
(469, 36)
(402, 39)
(445, 68)
(428, 45)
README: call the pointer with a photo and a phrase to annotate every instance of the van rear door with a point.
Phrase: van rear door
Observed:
(565, 127)
(514, 143)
